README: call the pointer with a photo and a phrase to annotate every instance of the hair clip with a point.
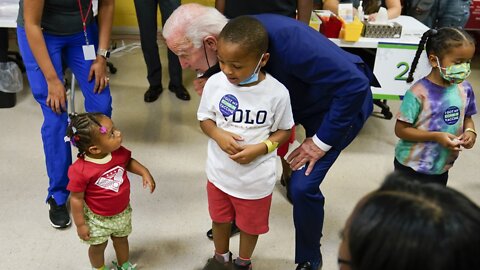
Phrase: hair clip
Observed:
(76, 138)
(74, 130)
(66, 139)
(103, 130)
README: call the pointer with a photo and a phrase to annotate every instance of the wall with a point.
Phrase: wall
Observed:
(125, 20)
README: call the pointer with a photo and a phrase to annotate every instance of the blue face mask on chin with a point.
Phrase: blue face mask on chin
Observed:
(254, 77)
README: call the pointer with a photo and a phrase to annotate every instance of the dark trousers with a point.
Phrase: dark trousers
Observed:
(147, 21)
(308, 208)
(420, 177)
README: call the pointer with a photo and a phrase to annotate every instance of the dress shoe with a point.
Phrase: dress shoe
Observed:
(180, 91)
(233, 231)
(309, 266)
(152, 93)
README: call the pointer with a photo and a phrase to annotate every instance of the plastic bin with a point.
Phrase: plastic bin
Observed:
(331, 26)
(11, 82)
(353, 30)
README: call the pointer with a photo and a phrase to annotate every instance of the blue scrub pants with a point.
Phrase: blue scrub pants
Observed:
(62, 49)
(308, 208)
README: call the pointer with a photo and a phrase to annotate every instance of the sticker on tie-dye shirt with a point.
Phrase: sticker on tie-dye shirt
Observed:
(451, 115)
(228, 105)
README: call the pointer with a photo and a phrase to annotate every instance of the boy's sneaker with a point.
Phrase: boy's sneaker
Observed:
(214, 264)
(59, 217)
(242, 267)
(125, 266)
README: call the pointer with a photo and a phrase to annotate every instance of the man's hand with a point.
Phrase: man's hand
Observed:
(307, 152)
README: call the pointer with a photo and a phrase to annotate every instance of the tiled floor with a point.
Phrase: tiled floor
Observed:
(170, 225)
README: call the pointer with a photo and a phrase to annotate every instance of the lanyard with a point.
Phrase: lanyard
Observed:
(84, 19)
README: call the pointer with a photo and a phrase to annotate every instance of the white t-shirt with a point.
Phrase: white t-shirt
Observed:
(253, 113)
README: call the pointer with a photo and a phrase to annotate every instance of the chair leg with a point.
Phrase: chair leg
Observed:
(385, 109)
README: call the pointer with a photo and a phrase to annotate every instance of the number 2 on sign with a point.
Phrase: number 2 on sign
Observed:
(405, 66)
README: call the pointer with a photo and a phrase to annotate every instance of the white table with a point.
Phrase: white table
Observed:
(393, 58)
(412, 31)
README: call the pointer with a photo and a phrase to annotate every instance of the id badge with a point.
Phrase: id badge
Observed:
(89, 52)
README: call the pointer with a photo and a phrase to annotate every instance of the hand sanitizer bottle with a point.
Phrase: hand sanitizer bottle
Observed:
(360, 11)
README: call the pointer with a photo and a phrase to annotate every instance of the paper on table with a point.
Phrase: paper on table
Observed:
(382, 18)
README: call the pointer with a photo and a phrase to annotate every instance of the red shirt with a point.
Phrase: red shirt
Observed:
(106, 186)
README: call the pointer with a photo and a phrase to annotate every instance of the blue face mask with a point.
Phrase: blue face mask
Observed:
(254, 77)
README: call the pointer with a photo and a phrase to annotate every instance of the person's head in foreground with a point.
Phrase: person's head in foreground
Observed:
(411, 226)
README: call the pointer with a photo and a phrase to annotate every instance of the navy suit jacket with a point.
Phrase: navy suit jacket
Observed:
(329, 87)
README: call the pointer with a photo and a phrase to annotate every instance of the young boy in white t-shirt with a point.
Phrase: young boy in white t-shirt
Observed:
(247, 114)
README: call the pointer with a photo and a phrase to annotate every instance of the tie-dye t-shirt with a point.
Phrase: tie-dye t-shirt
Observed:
(431, 107)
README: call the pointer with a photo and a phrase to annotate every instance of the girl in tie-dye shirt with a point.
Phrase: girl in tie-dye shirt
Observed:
(435, 118)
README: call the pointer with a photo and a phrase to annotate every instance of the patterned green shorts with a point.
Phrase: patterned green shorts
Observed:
(101, 228)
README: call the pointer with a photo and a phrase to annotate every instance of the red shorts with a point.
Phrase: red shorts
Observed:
(283, 149)
(251, 216)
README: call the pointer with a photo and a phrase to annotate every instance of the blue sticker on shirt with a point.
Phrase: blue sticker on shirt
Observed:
(228, 105)
(451, 115)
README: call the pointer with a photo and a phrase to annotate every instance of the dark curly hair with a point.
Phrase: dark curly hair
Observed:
(248, 32)
(440, 42)
(409, 225)
(82, 129)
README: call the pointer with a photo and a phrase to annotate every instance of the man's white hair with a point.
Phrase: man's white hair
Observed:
(194, 22)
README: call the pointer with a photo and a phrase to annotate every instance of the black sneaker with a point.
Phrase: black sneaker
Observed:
(59, 217)
(234, 230)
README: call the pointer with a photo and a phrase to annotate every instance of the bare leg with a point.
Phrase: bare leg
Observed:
(96, 254)
(221, 237)
(286, 171)
(120, 244)
(247, 244)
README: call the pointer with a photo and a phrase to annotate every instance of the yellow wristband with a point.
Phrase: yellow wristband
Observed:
(271, 146)
(471, 130)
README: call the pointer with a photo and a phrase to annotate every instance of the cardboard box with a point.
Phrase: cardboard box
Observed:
(390, 30)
